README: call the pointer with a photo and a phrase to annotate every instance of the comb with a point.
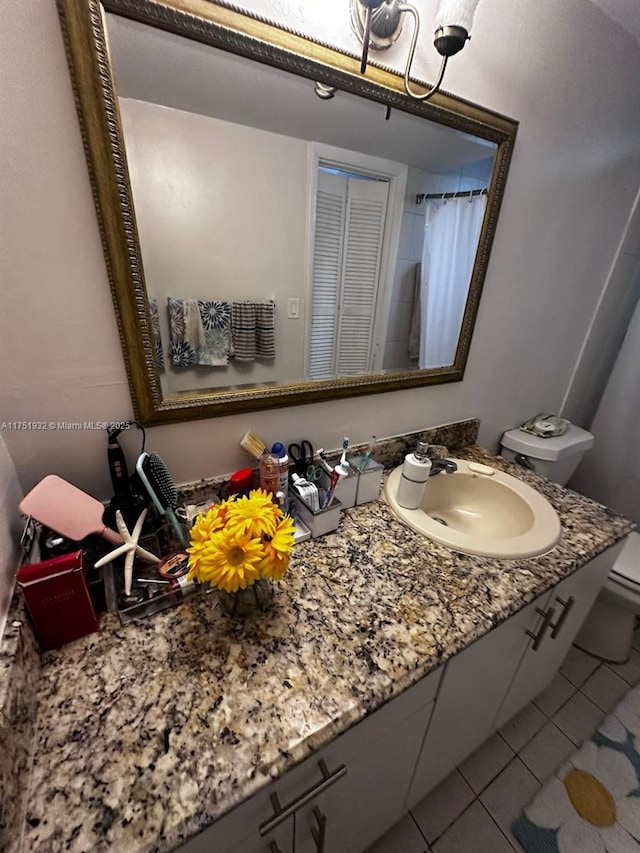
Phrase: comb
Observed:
(160, 487)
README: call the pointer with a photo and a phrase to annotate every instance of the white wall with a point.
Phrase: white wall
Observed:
(562, 69)
(608, 327)
(610, 473)
(207, 209)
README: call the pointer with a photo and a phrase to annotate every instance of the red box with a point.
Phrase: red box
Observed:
(58, 599)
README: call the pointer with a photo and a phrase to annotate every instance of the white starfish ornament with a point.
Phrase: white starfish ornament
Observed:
(130, 548)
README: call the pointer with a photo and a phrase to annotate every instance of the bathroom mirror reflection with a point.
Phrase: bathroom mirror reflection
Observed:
(247, 187)
(281, 248)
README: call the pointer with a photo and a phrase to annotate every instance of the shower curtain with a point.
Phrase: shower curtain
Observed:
(452, 229)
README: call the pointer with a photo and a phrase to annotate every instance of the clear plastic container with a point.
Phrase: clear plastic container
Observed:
(159, 595)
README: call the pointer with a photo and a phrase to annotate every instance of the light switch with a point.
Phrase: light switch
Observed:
(294, 309)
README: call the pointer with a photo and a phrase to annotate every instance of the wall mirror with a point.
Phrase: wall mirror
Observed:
(267, 246)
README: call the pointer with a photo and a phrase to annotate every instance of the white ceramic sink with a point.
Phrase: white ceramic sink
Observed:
(482, 511)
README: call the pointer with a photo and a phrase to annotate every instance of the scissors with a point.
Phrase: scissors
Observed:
(302, 455)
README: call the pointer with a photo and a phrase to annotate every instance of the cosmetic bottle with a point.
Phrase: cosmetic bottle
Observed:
(283, 478)
(270, 472)
(415, 473)
(182, 584)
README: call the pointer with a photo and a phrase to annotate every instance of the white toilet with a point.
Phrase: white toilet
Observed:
(608, 630)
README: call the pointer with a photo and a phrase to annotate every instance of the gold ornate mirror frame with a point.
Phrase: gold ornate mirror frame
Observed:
(83, 24)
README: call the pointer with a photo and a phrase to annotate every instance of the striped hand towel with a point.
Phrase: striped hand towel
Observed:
(253, 328)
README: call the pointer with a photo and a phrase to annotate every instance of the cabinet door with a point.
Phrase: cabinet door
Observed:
(473, 687)
(571, 601)
(238, 831)
(376, 759)
(278, 841)
(358, 781)
(369, 799)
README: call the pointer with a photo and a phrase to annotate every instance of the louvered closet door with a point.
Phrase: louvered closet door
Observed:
(350, 219)
(331, 206)
(366, 213)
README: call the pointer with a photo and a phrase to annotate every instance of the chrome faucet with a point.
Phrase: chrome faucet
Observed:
(440, 465)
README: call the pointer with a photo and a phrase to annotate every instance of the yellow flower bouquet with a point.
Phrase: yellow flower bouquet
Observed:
(241, 541)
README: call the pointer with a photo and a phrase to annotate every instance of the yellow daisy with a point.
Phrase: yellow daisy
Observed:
(277, 550)
(274, 567)
(230, 560)
(239, 541)
(283, 538)
(256, 515)
(204, 528)
(211, 521)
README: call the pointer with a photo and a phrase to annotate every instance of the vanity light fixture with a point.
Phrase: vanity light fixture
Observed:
(378, 23)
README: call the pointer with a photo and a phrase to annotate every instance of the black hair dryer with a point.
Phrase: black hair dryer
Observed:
(117, 463)
(128, 495)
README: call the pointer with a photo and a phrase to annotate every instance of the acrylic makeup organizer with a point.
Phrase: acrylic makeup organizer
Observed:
(162, 542)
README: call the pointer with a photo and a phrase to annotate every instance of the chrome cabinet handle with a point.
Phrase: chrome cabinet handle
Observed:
(319, 834)
(283, 812)
(547, 616)
(568, 604)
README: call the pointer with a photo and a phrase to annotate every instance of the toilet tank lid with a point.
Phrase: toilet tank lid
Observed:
(575, 440)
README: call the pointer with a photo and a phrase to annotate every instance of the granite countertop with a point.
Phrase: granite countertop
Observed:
(148, 733)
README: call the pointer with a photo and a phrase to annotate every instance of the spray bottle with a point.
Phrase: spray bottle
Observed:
(283, 468)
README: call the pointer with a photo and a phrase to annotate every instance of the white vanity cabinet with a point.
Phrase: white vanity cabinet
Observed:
(342, 798)
(491, 680)
(474, 684)
(564, 610)
(370, 798)
(346, 795)
(237, 831)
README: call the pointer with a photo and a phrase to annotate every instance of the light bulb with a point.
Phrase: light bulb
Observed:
(456, 13)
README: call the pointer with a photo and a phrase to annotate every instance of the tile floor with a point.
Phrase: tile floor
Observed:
(472, 810)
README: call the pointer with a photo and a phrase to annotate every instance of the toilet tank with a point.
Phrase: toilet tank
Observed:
(555, 458)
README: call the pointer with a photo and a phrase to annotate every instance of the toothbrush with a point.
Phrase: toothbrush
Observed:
(342, 468)
(368, 452)
(323, 462)
(344, 462)
(343, 459)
